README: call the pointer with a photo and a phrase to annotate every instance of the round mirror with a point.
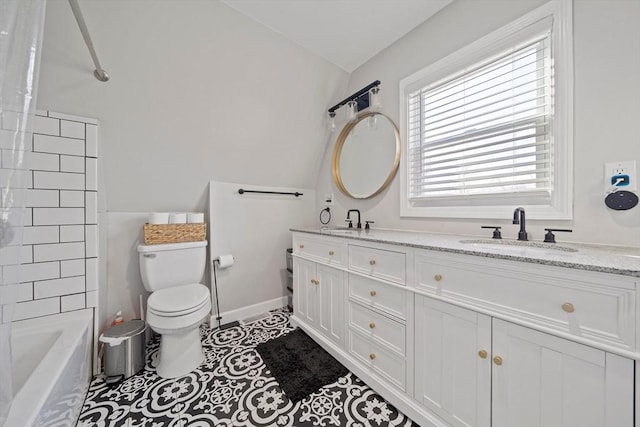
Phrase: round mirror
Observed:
(366, 155)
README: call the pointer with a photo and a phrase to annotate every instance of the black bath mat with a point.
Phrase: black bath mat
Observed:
(300, 365)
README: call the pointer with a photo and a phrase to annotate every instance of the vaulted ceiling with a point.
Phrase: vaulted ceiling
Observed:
(345, 32)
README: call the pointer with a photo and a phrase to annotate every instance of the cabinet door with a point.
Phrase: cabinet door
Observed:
(331, 303)
(305, 291)
(453, 362)
(542, 380)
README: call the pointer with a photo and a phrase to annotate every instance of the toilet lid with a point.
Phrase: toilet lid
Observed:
(178, 300)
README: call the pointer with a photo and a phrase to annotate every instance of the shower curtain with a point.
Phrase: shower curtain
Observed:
(21, 28)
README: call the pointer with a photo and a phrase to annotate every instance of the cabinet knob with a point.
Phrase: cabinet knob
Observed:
(483, 354)
(372, 356)
(373, 293)
(315, 282)
(372, 262)
(437, 277)
(330, 253)
(301, 246)
(372, 325)
(568, 307)
(497, 360)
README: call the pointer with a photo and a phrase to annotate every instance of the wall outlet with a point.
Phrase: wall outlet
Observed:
(328, 199)
(621, 174)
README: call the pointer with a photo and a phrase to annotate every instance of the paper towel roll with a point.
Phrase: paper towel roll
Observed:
(177, 218)
(159, 218)
(195, 217)
(225, 261)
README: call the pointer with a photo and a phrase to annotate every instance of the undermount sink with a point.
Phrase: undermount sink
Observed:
(518, 247)
(338, 230)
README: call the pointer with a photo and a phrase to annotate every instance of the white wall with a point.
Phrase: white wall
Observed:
(254, 228)
(197, 92)
(607, 108)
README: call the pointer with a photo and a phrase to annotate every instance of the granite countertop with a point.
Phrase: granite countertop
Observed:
(606, 259)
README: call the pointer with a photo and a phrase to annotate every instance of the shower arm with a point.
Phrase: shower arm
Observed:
(99, 72)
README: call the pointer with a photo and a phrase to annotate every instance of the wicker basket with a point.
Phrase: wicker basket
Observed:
(155, 234)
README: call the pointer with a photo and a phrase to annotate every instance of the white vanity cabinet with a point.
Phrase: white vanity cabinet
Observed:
(320, 288)
(455, 339)
(453, 362)
(475, 370)
(542, 380)
(596, 308)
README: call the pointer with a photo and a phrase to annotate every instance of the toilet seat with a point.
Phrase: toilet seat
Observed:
(178, 301)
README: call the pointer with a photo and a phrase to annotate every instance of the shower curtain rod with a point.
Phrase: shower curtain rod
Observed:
(99, 73)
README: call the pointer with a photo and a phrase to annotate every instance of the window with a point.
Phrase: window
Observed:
(489, 127)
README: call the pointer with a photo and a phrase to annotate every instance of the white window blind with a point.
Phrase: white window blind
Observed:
(485, 130)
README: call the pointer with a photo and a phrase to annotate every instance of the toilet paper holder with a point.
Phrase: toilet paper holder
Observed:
(224, 261)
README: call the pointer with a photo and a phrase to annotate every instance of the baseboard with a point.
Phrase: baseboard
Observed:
(248, 311)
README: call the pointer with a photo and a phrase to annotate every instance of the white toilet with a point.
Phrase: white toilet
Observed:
(178, 303)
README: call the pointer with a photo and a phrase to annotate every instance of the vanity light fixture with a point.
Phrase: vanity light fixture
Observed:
(352, 110)
(374, 98)
(364, 98)
(332, 121)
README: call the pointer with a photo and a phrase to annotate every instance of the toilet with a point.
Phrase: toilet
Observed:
(178, 303)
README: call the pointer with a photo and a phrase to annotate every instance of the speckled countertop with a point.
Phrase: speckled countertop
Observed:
(606, 259)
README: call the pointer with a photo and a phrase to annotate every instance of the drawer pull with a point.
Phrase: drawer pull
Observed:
(372, 356)
(568, 307)
(373, 293)
(315, 282)
(497, 360)
(437, 277)
(301, 246)
(372, 262)
(330, 253)
(483, 354)
(372, 325)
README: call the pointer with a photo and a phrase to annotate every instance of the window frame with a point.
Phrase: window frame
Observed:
(560, 203)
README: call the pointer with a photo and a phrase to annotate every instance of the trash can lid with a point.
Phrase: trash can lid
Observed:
(126, 329)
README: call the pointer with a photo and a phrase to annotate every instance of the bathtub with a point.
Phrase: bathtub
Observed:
(51, 369)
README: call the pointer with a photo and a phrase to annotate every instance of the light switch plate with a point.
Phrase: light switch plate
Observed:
(328, 199)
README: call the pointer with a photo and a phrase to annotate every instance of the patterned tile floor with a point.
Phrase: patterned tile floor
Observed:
(232, 387)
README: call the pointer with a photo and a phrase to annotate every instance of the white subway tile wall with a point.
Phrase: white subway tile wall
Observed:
(59, 270)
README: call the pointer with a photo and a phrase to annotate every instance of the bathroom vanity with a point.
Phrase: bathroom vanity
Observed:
(457, 332)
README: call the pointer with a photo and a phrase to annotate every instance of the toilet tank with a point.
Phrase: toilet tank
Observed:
(172, 264)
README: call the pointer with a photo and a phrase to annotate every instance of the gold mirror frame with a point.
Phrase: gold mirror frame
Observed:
(337, 151)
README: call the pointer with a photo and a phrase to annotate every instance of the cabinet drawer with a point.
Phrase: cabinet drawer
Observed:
(383, 362)
(380, 329)
(377, 295)
(387, 265)
(330, 252)
(568, 301)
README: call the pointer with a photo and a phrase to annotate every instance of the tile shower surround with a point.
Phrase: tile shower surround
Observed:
(59, 255)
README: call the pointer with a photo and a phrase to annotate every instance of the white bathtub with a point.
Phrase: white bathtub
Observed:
(51, 369)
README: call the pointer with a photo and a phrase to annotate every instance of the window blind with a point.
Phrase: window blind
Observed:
(485, 130)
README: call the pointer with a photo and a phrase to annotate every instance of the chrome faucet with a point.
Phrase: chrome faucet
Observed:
(518, 218)
(359, 225)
